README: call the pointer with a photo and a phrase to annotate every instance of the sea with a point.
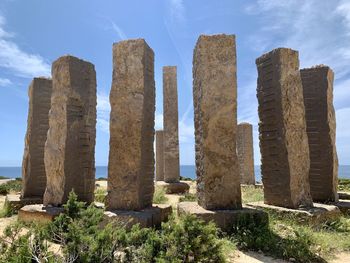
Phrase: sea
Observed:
(185, 171)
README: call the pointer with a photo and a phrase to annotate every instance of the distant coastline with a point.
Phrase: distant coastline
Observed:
(185, 171)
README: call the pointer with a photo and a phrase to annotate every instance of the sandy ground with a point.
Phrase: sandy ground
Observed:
(4, 181)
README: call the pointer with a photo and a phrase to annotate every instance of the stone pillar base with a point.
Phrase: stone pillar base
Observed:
(38, 213)
(344, 195)
(318, 214)
(15, 202)
(148, 217)
(174, 188)
(225, 219)
(344, 206)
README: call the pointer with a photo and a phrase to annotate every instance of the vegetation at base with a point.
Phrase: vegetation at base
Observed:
(188, 197)
(100, 195)
(6, 211)
(3, 177)
(159, 196)
(183, 178)
(102, 179)
(80, 238)
(344, 184)
(12, 186)
(252, 194)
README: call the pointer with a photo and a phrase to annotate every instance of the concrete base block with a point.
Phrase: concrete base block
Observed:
(225, 219)
(344, 195)
(15, 202)
(38, 213)
(174, 188)
(148, 217)
(317, 214)
(343, 205)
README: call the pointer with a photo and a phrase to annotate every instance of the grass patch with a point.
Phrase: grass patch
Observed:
(252, 194)
(100, 195)
(344, 184)
(13, 186)
(159, 196)
(188, 197)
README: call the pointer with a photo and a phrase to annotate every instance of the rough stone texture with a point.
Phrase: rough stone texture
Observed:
(344, 206)
(148, 217)
(160, 155)
(174, 188)
(70, 145)
(15, 202)
(215, 116)
(171, 126)
(320, 123)
(317, 214)
(283, 140)
(225, 219)
(344, 195)
(131, 154)
(33, 166)
(38, 213)
(245, 153)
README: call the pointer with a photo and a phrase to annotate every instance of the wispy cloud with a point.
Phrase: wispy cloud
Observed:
(177, 10)
(119, 31)
(5, 82)
(103, 112)
(18, 61)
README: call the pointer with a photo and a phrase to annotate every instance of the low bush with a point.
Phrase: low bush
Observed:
(344, 184)
(100, 195)
(159, 196)
(11, 187)
(188, 197)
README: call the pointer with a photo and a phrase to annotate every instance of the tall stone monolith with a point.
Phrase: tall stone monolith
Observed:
(70, 145)
(33, 166)
(215, 115)
(284, 145)
(321, 127)
(245, 153)
(171, 126)
(131, 154)
(160, 155)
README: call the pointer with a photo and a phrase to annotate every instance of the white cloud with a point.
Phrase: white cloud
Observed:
(5, 82)
(177, 10)
(18, 61)
(159, 121)
(119, 31)
(103, 112)
(186, 132)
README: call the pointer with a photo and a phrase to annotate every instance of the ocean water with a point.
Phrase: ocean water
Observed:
(185, 171)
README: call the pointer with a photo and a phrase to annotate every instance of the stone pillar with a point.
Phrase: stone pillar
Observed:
(131, 154)
(245, 153)
(33, 166)
(215, 116)
(320, 122)
(160, 155)
(171, 126)
(70, 145)
(284, 145)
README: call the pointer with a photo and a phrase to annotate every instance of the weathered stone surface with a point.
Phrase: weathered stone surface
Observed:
(226, 220)
(131, 154)
(148, 217)
(344, 195)
(320, 123)
(38, 213)
(160, 155)
(33, 166)
(174, 188)
(317, 214)
(344, 206)
(171, 126)
(215, 115)
(284, 145)
(245, 153)
(70, 145)
(15, 202)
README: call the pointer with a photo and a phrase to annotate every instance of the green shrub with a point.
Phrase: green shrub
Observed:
(182, 178)
(188, 197)
(100, 195)
(159, 196)
(3, 177)
(344, 184)
(10, 186)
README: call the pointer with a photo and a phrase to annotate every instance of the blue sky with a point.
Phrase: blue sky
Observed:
(33, 33)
